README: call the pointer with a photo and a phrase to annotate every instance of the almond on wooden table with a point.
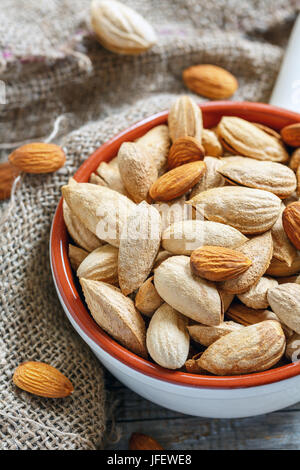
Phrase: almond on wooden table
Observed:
(210, 81)
(139, 441)
(185, 150)
(42, 379)
(252, 349)
(217, 263)
(38, 157)
(177, 182)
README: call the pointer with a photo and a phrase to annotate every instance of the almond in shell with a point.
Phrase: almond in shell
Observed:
(206, 335)
(283, 250)
(285, 302)
(259, 249)
(295, 160)
(42, 379)
(138, 170)
(281, 269)
(110, 175)
(100, 265)
(248, 316)
(157, 142)
(76, 256)
(192, 296)
(217, 263)
(116, 314)
(269, 176)
(291, 134)
(211, 143)
(292, 351)
(248, 210)
(251, 349)
(139, 245)
(177, 182)
(242, 137)
(185, 119)
(182, 238)
(211, 178)
(101, 210)
(147, 299)
(256, 296)
(168, 340)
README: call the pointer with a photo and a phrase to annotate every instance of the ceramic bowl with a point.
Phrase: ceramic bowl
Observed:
(209, 396)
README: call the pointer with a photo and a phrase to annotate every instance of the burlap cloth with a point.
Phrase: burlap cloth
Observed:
(51, 65)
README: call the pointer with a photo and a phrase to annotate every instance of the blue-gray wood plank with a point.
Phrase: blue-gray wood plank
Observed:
(278, 430)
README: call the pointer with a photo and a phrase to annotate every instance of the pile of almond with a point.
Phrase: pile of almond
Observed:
(185, 244)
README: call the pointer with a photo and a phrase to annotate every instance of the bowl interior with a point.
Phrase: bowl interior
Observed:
(65, 280)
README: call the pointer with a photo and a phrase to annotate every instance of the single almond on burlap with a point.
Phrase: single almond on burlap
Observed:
(157, 142)
(292, 351)
(192, 296)
(100, 265)
(167, 340)
(252, 349)
(256, 296)
(269, 176)
(140, 441)
(177, 182)
(210, 81)
(138, 170)
(183, 237)
(185, 119)
(246, 316)
(283, 250)
(211, 178)
(285, 302)
(42, 379)
(242, 137)
(81, 235)
(139, 245)
(76, 256)
(38, 157)
(291, 223)
(8, 173)
(212, 145)
(116, 314)
(217, 263)
(259, 250)
(206, 335)
(248, 210)
(185, 150)
(295, 160)
(280, 269)
(101, 210)
(121, 29)
(109, 174)
(147, 299)
(291, 134)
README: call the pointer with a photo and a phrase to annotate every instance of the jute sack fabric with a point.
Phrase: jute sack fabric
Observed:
(32, 324)
(51, 64)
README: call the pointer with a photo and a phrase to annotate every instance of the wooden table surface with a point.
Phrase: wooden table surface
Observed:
(278, 430)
